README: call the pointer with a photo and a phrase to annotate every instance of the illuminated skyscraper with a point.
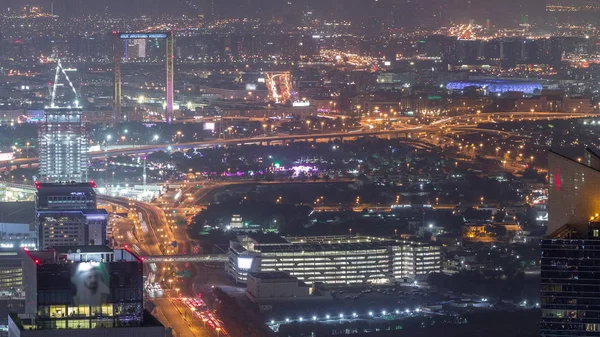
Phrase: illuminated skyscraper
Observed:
(66, 208)
(63, 146)
(62, 138)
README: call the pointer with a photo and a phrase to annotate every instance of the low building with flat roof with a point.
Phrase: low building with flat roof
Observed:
(275, 286)
(334, 260)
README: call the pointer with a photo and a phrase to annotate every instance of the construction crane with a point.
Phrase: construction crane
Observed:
(60, 69)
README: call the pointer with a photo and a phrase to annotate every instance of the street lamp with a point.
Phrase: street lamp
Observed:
(308, 126)
(218, 331)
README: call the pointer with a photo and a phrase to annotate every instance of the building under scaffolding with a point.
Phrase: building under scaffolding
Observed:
(63, 146)
(63, 140)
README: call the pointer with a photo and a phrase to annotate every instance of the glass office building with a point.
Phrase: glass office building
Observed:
(83, 287)
(570, 287)
(570, 263)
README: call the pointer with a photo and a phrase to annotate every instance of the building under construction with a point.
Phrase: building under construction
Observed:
(63, 140)
(63, 146)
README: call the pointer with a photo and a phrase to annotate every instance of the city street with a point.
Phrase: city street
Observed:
(175, 316)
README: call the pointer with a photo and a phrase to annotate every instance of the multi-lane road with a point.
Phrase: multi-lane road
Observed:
(154, 237)
(460, 123)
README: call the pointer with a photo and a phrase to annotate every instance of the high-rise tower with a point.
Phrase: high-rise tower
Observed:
(63, 141)
(570, 263)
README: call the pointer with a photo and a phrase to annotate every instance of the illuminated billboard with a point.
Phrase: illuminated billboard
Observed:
(89, 283)
(301, 104)
(244, 262)
(127, 36)
(209, 126)
(6, 156)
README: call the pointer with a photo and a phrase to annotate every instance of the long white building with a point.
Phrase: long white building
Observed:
(335, 260)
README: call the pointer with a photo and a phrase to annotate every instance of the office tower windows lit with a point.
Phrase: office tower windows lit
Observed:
(63, 146)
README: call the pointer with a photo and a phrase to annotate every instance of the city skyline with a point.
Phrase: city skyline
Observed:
(292, 168)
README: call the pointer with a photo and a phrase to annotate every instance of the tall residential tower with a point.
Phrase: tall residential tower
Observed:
(63, 146)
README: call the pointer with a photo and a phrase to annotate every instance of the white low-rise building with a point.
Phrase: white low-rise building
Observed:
(334, 260)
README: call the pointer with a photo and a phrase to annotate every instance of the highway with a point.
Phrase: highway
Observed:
(154, 237)
(459, 122)
(176, 316)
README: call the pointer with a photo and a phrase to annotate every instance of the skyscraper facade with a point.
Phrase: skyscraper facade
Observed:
(570, 283)
(67, 215)
(63, 146)
(570, 263)
(573, 189)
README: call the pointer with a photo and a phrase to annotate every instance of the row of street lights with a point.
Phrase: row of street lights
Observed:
(354, 315)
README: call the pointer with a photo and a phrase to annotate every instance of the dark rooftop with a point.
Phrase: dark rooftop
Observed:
(271, 275)
(17, 212)
(267, 238)
(314, 247)
(83, 249)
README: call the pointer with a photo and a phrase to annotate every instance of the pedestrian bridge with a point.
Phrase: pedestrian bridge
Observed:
(186, 258)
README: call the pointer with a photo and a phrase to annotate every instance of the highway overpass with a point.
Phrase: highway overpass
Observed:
(221, 258)
(474, 119)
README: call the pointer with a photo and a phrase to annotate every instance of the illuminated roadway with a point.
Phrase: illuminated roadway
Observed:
(169, 311)
(470, 121)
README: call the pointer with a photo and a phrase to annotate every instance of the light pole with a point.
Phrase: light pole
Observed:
(27, 151)
(308, 127)
(218, 331)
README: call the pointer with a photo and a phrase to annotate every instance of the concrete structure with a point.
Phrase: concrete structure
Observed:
(333, 260)
(67, 215)
(275, 286)
(84, 291)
